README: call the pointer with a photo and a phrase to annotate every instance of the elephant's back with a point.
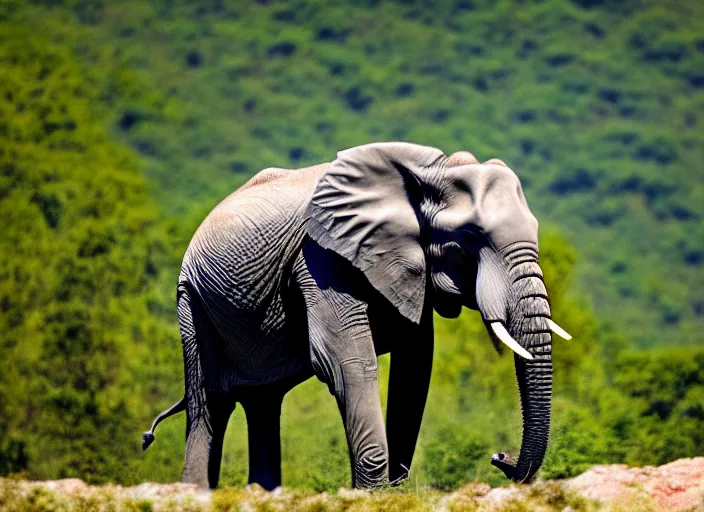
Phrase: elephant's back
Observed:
(239, 260)
(276, 176)
(254, 225)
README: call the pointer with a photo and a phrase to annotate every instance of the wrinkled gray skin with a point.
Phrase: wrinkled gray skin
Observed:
(317, 271)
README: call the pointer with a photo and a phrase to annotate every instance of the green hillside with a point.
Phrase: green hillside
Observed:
(122, 123)
(597, 105)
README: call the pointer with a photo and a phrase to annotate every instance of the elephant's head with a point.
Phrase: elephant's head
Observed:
(425, 226)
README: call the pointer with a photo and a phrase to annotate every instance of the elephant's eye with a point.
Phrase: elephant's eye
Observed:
(473, 238)
(454, 253)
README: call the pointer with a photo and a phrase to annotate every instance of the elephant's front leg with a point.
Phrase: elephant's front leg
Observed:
(343, 356)
(409, 380)
(360, 407)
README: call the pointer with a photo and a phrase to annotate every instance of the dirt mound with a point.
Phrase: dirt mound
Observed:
(677, 486)
(674, 487)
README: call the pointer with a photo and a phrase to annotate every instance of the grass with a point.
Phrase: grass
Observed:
(17, 496)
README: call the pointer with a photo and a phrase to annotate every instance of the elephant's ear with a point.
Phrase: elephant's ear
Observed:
(362, 210)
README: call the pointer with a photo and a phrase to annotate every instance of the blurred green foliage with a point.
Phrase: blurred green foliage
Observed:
(81, 258)
(597, 105)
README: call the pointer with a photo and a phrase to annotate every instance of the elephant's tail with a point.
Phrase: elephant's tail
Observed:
(148, 437)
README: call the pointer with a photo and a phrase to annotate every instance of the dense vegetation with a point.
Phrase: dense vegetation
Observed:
(122, 123)
(81, 257)
(597, 105)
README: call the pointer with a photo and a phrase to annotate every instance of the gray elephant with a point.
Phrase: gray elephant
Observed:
(317, 271)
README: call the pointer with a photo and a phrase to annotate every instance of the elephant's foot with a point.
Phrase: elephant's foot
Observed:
(371, 470)
(403, 476)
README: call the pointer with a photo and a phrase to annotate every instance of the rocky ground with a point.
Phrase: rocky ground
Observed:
(678, 486)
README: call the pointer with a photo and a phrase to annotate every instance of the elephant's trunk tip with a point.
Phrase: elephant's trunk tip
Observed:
(502, 461)
(505, 463)
(147, 440)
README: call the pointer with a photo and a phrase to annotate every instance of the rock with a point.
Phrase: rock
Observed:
(68, 486)
(677, 486)
(497, 498)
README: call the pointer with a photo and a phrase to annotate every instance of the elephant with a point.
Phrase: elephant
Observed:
(317, 271)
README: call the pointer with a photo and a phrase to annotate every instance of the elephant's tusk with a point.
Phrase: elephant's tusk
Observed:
(559, 330)
(507, 340)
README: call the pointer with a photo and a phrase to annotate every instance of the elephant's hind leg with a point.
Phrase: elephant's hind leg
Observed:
(263, 412)
(207, 412)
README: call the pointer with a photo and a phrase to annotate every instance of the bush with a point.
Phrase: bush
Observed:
(450, 459)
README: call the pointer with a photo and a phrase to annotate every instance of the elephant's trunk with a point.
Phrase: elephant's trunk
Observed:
(535, 384)
(529, 326)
